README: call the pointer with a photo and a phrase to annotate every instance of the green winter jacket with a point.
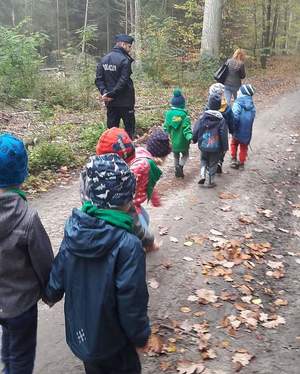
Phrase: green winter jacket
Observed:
(178, 125)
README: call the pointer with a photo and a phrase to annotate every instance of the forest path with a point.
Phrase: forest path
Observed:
(270, 182)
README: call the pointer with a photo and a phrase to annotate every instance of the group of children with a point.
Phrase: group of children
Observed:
(100, 266)
(211, 131)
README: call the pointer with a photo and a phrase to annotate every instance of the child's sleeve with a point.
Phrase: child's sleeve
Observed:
(155, 198)
(146, 236)
(224, 136)
(166, 126)
(132, 293)
(55, 288)
(236, 109)
(197, 131)
(40, 250)
(187, 129)
(230, 121)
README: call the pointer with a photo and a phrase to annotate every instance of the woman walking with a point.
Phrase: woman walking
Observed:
(236, 72)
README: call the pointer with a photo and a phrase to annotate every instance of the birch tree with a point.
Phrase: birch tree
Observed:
(212, 25)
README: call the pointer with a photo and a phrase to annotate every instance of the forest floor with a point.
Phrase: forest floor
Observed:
(225, 286)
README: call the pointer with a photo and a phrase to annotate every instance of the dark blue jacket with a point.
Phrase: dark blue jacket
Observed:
(211, 132)
(113, 77)
(244, 113)
(101, 270)
(227, 114)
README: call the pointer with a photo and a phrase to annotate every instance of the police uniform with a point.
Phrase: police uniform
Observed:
(113, 78)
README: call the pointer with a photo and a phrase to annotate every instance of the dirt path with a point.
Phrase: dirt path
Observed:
(267, 193)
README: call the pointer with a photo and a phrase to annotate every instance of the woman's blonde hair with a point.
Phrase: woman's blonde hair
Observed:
(239, 55)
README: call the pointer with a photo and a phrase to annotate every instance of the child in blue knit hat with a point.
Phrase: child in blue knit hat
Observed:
(25, 260)
(178, 125)
(101, 270)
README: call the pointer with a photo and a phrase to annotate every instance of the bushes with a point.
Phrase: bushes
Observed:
(19, 63)
(90, 135)
(50, 156)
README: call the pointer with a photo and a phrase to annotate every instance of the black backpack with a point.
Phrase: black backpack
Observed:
(221, 74)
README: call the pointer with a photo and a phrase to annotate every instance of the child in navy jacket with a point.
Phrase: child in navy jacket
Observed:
(211, 133)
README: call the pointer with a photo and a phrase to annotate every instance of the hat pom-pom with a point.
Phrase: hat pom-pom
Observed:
(177, 92)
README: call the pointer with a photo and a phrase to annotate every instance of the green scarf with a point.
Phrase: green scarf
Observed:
(154, 175)
(113, 216)
(19, 192)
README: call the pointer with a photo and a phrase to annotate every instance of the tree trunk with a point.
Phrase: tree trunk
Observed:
(211, 32)
(58, 30)
(274, 27)
(108, 46)
(126, 16)
(67, 18)
(137, 32)
(131, 5)
(255, 27)
(85, 26)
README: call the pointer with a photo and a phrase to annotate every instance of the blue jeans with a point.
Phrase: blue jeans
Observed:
(144, 218)
(19, 342)
(230, 91)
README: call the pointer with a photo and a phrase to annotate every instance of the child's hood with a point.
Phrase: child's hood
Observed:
(90, 237)
(176, 116)
(211, 118)
(246, 102)
(12, 210)
(141, 152)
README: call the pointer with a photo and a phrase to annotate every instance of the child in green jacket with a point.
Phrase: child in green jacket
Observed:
(178, 125)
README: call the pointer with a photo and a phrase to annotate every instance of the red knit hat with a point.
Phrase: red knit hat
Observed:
(117, 141)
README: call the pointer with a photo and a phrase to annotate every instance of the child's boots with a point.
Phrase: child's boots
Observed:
(179, 171)
(202, 175)
(234, 163)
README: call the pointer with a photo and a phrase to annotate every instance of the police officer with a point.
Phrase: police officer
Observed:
(115, 85)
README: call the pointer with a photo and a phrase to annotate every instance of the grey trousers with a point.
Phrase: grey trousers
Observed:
(180, 158)
(209, 162)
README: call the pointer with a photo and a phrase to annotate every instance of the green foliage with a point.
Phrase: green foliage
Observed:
(50, 156)
(206, 69)
(46, 113)
(90, 135)
(19, 62)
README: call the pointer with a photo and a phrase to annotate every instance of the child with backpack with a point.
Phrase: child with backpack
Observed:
(101, 270)
(147, 173)
(178, 125)
(25, 261)
(226, 111)
(211, 134)
(244, 114)
(116, 140)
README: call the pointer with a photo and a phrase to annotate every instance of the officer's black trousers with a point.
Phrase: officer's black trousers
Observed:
(115, 114)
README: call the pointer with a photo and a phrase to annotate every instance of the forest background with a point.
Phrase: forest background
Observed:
(49, 50)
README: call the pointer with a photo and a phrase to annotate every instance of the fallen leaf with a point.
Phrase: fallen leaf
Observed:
(277, 274)
(173, 239)
(153, 283)
(192, 298)
(185, 309)
(188, 259)
(283, 230)
(275, 265)
(155, 344)
(188, 367)
(208, 354)
(188, 243)
(281, 302)
(186, 325)
(206, 296)
(165, 365)
(226, 208)
(242, 358)
(296, 213)
(163, 231)
(215, 232)
(178, 218)
(246, 220)
(227, 196)
(256, 301)
(274, 323)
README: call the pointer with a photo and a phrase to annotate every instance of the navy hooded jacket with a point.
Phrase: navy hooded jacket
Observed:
(211, 132)
(113, 78)
(244, 113)
(101, 270)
